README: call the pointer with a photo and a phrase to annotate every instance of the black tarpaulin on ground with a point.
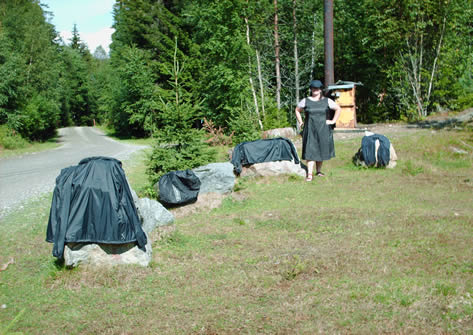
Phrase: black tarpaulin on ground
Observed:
(178, 188)
(92, 203)
(259, 151)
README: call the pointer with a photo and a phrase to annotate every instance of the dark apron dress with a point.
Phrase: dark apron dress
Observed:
(317, 136)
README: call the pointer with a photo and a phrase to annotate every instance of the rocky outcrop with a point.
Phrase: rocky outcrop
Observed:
(153, 216)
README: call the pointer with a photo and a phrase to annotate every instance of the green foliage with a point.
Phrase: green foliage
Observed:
(11, 73)
(273, 117)
(218, 29)
(9, 139)
(30, 67)
(409, 54)
(178, 146)
(74, 86)
(138, 104)
(39, 119)
(126, 93)
(464, 86)
(107, 92)
(99, 78)
(245, 126)
(143, 51)
(190, 151)
(414, 58)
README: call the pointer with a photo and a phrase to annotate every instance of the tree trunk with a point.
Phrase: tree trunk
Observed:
(312, 59)
(277, 57)
(253, 91)
(413, 75)
(296, 57)
(434, 66)
(260, 79)
(30, 63)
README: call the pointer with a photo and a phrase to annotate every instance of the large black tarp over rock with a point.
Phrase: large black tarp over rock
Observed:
(92, 203)
(179, 188)
(260, 151)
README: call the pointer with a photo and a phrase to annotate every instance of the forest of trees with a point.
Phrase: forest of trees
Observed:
(241, 64)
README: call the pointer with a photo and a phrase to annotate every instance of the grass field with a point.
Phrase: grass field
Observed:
(362, 251)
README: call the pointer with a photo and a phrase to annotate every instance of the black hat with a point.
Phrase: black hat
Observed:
(316, 84)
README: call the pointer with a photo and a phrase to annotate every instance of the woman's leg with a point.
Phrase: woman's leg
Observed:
(310, 169)
(318, 168)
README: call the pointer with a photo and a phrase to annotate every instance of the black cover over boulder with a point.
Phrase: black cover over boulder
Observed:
(178, 188)
(92, 203)
(259, 151)
(368, 149)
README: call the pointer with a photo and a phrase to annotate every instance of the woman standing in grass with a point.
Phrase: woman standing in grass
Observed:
(317, 136)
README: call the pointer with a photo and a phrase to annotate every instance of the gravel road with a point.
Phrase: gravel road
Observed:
(31, 175)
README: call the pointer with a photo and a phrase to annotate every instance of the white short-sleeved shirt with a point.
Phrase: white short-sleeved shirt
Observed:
(331, 104)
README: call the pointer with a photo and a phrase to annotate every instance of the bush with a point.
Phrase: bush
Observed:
(216, 135)
(274, 117)
(10, 139)
(178, 145)
(186, 152)
(244, 126)
(39, 119)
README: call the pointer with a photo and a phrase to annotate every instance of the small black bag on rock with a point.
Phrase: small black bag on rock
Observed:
(178, 188)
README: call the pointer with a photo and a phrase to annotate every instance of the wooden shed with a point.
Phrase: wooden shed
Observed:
(343, 92)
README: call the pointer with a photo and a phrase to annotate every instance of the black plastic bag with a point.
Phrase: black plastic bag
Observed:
(178, 188)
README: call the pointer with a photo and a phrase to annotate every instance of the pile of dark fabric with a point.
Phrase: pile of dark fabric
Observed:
(92, 203)
(259, 151)
(374, 151)
(178, 188)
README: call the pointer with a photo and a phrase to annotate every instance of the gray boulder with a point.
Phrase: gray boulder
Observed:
(216, 178)
(287, 132)
(106, 254)
(273, 169)
(152, 214)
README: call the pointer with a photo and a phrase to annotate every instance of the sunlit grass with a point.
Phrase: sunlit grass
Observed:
(12, 144)
(363, 251)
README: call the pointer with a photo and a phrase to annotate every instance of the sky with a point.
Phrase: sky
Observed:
(93, 18)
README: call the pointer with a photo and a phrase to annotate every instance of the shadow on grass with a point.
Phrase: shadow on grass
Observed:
(460, 121)
(436, 124)
(120, 136)
(59, 264)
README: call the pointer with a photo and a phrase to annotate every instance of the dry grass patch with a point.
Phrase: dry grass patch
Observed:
(361, 251)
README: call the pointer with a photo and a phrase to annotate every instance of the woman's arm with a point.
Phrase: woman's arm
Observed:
(334, 106)
(298, 116)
